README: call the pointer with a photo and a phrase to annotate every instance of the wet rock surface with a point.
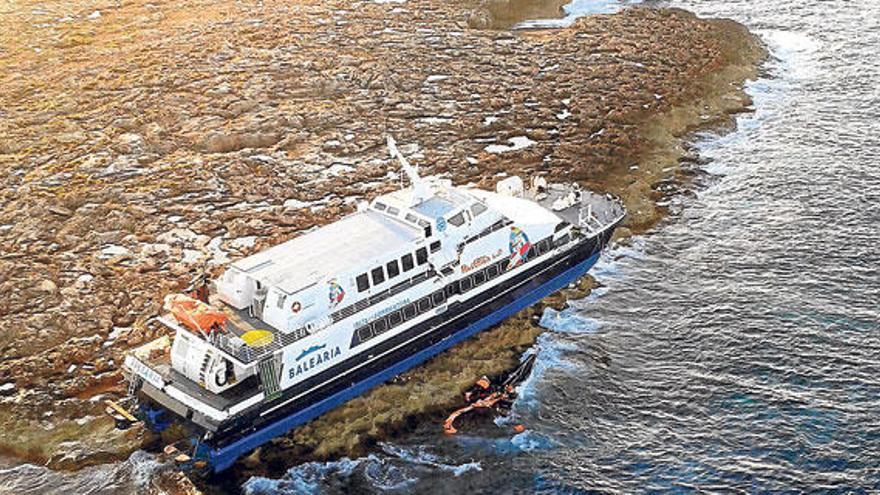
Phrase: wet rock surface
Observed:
(154, 138)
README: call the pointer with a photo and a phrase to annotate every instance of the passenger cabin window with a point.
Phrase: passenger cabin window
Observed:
(393, 269)
(380, 206)
(422, 256)
(393, 211)
(363, 282)
(281, 298)
(411, 218)
(378, 276)
(407, 262)
(457, 220)
(478, 208)
(435, 246)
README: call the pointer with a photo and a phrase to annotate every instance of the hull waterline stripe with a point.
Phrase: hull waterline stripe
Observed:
(224, 457)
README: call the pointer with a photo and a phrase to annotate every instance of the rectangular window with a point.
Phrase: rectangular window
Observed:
(424, 304)
(365, 333)
(378, 276)
(422, 256)
(393, 269)
(543, 246)
(435, 246)
(379, 326)
(479, 278)
(492, 271)
(466, 285)
(409, 311)
(438, 297)
(407, 262)
(380, 206)
(411, 218)
(395, 319)
(451, 290)
(281, 298)
(363, 282)
(562, 240)
(393, 211)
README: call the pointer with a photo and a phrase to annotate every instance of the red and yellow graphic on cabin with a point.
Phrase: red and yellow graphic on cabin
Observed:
(337, 293)
(519, 247)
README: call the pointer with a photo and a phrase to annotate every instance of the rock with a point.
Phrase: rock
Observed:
(225, 143)
(48, 286)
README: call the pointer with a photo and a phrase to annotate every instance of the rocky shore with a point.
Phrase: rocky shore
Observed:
(141, 141)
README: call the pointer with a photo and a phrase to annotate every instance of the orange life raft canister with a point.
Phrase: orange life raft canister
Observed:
(194, 314)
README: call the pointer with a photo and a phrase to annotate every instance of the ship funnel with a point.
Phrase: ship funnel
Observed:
(421, 191)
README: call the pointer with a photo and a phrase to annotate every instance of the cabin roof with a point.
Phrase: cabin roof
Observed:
(336, 249)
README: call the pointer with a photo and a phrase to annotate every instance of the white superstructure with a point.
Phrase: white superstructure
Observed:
(355, 287)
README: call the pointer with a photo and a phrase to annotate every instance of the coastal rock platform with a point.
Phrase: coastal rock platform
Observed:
(143, 141)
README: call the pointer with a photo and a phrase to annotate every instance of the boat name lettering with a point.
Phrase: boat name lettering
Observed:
(480, 261)
(314, 361)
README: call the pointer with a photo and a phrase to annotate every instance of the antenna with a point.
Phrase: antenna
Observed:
(421, 191)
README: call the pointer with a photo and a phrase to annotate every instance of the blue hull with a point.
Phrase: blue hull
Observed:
(223, 457)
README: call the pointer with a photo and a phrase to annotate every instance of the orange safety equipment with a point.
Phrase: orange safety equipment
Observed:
(195, 315)
(486, 403)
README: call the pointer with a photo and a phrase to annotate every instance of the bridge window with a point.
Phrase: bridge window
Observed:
(365, 333)
(477, 209)
(422, 256)
(393, 269)
(407, 262)
(378, 276)
(457, 220)
(363, 282)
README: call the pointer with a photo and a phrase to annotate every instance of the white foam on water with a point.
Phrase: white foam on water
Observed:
(567, 321)
(133, 475)
(304, 478)
(794, 60)
(531, 440)
(421, 456)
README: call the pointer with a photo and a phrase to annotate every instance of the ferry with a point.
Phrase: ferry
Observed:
(291, 332)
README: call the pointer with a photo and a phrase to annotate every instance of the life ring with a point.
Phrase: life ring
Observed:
(296, 307)
(221, 373)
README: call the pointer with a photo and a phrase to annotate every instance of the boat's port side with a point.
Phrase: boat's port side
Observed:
(221, 458)
(285, 335)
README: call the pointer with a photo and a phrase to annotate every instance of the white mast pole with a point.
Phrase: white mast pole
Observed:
(421, 191)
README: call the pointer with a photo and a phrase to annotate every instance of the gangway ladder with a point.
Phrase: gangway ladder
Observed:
(270, 376)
